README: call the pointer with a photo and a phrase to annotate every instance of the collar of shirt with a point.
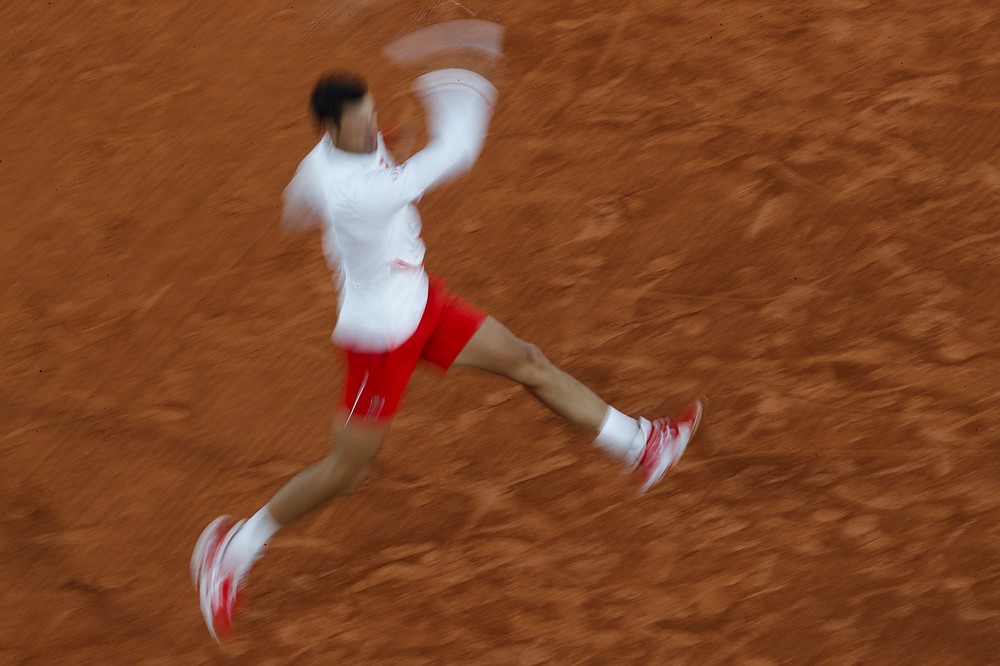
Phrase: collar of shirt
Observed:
(360, 160)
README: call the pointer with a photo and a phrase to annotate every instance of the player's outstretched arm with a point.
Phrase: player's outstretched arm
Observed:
(459, 105)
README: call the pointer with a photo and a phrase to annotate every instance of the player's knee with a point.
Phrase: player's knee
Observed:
(354, 456)
(350, 458)
(533, 366)
(343, 470)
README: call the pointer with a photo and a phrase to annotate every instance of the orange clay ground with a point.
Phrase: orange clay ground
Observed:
(789, 207)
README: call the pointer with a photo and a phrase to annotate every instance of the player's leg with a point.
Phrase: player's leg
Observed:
(495, 349)
(228, 550)
(650, 447)
(353, 446)
(373, 389)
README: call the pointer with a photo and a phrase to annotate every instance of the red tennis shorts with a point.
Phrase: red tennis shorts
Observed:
(375, 383)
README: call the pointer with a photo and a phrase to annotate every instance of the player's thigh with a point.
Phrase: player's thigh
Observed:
(494, 348)
(374, 385)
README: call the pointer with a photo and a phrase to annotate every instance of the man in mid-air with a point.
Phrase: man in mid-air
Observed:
(392, 315)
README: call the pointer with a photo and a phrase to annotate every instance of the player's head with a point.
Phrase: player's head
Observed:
(343, 106)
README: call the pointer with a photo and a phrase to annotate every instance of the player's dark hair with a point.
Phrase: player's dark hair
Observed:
(332, 92)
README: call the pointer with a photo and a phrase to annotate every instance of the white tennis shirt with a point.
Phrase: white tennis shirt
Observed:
(365, 204)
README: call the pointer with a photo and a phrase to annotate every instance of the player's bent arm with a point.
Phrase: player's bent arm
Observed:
(459, 105)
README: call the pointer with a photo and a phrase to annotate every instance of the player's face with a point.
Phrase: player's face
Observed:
(359, 126)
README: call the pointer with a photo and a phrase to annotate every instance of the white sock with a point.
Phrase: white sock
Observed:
(252, 538)
(621, 436)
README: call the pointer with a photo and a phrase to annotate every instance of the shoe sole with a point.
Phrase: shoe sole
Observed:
(699, 409)
(198, 556)
(205, 573)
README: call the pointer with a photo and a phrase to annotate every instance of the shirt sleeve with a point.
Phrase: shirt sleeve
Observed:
(459, 104)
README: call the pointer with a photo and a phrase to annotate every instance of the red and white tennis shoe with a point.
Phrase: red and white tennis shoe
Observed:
(668, 438)
(219, 584)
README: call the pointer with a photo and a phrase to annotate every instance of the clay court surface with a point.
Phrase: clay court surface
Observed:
(791, 208)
